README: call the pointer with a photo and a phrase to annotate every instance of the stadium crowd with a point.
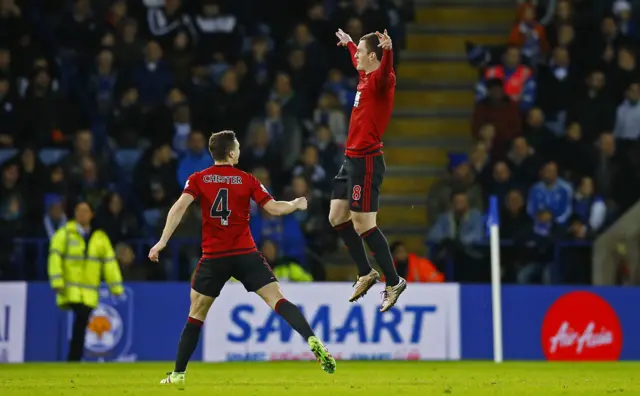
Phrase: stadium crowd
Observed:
(111, 102)
(556, 126)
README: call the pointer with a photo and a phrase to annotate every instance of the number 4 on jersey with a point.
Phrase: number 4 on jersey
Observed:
(220, 208)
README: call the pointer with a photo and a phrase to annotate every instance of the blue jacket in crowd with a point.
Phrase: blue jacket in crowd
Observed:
(191, 163)
(284, 231)
(556, 198)
(472, 228)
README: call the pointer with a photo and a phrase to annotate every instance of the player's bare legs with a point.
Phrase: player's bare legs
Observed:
(365, 225)
(198, 310)
(272, 295)
(340, 219)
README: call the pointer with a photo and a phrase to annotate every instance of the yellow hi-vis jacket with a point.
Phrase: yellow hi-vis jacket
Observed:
(77, 266)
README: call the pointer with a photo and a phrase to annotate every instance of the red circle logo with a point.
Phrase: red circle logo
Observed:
(581, 326)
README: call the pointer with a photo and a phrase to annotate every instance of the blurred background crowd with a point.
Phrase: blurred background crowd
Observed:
(112, 102)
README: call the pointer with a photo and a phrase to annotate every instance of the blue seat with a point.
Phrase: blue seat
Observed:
(127, 158)
(51, 156)
(6, 154)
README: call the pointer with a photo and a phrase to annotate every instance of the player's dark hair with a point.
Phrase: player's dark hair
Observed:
(372, 44)
(221, 143)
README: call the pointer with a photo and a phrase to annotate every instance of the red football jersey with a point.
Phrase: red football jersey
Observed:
(372, 107)
(225, 193)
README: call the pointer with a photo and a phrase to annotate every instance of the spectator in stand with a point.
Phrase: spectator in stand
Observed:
(608, 169)
(91, 188)
(302, 77)
(115, 220)
(102, 85)
(260, 64)
(180, 57)
(589, 207)
(231, 104)
(501, 183)
(537, 247)
(329, 112)
(518, 79)
(625, 21)
(627, 126)
(556, 86)
(129, 47)
(529, 35)
(563, 15)
(284, 268)
(552, 194)
(607, 43)
(196, 159)
(514, 220)
(54, 216)
(500, 111)
(372, 17)
(292, 104)
(152, 77)
(57, 182)
(133, 271)
(538, 136)
(311, 170)
(284, 133)
(284, 231)
(9, 112)
(79, 31)
(217, 29)
(342, 87)
(127, 122)
(454, 233)
(622, 73)
(480, 162)
(259, 151)
(47, 117)
(313, 53)
(164, 23)
(313, 221)
(319, 26)
(572, 154)
(154, 177)
(523, 161)
(32, 172)
(460, 178)
(264, 177)
(413, 268)
(330, 155)
(83, 144)
(594, 110)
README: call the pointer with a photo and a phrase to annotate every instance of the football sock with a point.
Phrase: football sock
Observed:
(294, 317)
(355, 246)
(380, 248)
(187, 344)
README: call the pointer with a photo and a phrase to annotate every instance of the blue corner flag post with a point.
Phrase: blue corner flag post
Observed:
(493, 227)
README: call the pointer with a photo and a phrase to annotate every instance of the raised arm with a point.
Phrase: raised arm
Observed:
(173, 219)
(346, 41)
(385, 72)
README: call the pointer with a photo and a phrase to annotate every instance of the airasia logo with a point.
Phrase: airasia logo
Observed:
(581, 326)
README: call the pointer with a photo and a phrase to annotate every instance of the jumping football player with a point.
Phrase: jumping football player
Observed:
(228, 249)
(356, 188)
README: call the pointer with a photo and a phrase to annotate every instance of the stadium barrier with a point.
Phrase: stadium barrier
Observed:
(430, 322)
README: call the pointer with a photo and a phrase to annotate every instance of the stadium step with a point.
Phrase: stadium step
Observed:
(459, 14)
(414, 241)
(415, 155)
(407, 184)
(451, 41)
(402, 215)
(428, 71)
(434, 98)
(419, 127)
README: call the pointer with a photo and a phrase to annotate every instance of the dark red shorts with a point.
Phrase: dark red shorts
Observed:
(359, 180)
(251, 269)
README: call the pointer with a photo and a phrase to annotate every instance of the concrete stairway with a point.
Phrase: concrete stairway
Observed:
(434, 100)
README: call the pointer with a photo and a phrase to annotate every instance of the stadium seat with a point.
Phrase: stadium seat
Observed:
(6, 154)
(127, 159)
(52, 156)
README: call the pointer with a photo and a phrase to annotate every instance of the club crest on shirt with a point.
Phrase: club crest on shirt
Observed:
(356, 102)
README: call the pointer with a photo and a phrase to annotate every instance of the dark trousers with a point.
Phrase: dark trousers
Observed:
(81, 315)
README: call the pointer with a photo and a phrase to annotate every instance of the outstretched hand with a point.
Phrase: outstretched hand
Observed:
(154, 253)
(343, 37)
(385, 40)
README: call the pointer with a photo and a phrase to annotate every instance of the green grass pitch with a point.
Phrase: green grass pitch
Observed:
(307, 379)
